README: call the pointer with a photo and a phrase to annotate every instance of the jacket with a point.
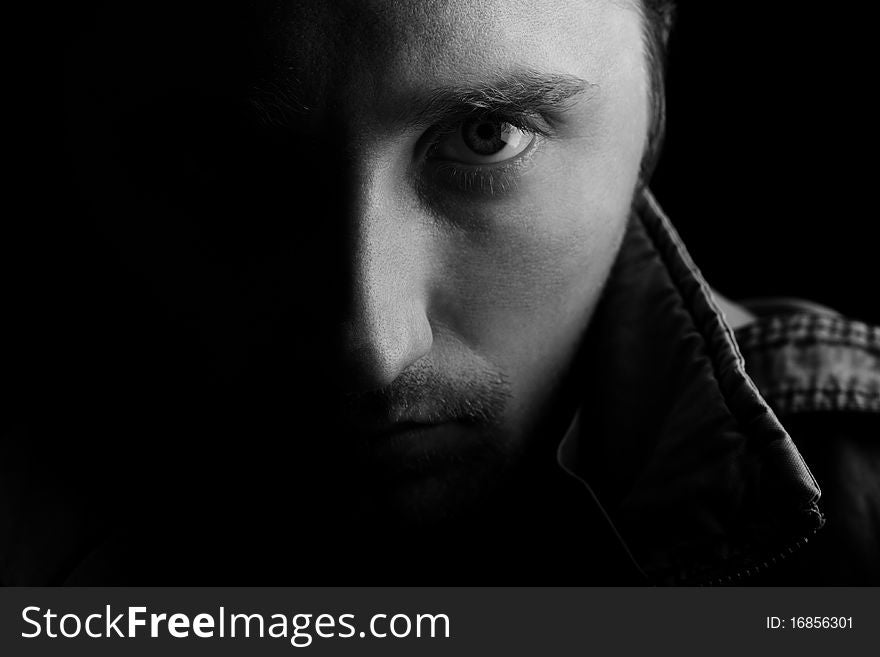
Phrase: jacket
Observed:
(708, 447)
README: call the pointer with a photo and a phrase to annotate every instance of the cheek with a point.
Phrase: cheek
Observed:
(523, 299)
(522, 294)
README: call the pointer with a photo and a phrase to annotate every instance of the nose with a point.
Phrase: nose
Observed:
(387, 327)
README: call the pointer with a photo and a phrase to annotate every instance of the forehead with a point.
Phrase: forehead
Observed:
(369, 48)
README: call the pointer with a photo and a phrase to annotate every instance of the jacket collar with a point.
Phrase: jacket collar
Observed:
(694, 469)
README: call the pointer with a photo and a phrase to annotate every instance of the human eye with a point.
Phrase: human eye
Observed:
(484, 153)
(482, 140)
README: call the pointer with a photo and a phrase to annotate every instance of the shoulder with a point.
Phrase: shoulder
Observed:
(820, 373)
(812, 359)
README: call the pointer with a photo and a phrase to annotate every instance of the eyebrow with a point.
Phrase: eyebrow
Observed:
(517, 93)
(520, 92)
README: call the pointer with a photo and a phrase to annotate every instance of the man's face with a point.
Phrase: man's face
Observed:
(436, 197)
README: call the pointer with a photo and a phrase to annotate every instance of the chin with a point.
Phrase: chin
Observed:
(438, 494)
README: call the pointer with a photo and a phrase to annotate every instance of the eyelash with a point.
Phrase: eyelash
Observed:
(491, 180)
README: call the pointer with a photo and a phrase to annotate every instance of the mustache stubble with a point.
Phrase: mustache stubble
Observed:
(476, 394)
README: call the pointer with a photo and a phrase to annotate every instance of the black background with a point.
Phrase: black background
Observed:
(769, 165)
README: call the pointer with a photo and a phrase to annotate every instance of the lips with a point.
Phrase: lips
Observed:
(409, 431)
(405, 427)
(387, 422)
(417, 447)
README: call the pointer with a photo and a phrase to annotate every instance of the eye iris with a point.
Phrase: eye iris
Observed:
(484, 137)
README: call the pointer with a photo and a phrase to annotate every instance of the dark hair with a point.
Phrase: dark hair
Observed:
(658, 17)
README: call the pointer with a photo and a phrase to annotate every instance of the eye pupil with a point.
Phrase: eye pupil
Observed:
(486, 131)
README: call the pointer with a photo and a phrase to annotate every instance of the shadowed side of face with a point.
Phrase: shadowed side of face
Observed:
(411, 207)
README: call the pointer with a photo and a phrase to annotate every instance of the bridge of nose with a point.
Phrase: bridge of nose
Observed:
(390, 245)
